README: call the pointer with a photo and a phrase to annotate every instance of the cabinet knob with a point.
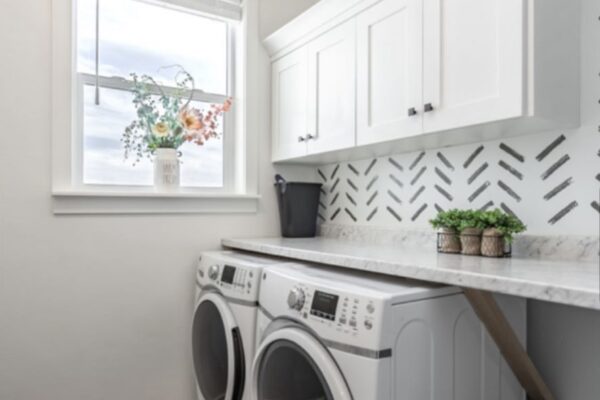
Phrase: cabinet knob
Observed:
(309, 137)
(428, 107)
(301, 138)
(412, 111)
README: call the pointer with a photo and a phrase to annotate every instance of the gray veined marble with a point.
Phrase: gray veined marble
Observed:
(573, 283)
(419, 238)
(577, 248)
(580, 248)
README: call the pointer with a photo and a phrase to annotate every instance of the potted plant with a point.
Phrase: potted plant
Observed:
(471, 226)
(165, 122)
(500, 229)
(448, 223)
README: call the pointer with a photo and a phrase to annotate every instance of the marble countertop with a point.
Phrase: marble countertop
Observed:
(574, 283)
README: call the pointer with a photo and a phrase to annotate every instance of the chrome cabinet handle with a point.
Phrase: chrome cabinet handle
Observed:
(428, 107)
(412, 111)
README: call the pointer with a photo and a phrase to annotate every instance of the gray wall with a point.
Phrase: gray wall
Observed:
(564, 342)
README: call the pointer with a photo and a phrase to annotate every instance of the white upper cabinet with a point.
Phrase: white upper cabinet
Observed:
(389, 71)
(377, 77)
(332, 89)
(289, 111)
(473, 62)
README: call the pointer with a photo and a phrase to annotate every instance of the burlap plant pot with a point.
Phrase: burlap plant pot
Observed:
(492, 243)
(448, 241)
(470, 239)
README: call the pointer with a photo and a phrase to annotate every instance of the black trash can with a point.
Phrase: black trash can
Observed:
(298, 207)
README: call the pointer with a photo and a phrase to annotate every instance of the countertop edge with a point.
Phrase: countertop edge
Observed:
(551, 293)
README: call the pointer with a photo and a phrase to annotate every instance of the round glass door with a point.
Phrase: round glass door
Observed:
(210, 351)
(217, 350)
(287, 372)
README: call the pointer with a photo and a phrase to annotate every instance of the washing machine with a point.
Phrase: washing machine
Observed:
(334, 334)
(224, 322)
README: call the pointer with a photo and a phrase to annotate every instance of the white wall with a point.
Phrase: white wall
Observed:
(93, 307)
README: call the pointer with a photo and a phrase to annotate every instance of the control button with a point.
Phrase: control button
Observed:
(201, 273)
(251, 274)
(213, 272)
(249, 284)
(368, 324)
(370, 308)
(352, 323)
(342, 320)
(296, 299)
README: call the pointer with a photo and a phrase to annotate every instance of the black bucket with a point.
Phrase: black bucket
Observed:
(298, 207)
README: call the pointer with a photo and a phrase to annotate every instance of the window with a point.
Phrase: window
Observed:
(113, 45)
(97, 44)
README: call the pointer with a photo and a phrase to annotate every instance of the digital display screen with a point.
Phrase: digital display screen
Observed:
(228, 274)
(324, 304)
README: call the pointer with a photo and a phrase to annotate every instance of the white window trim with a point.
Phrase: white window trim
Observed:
(70, 196)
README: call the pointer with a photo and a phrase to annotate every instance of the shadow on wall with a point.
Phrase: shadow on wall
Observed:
(276, 13)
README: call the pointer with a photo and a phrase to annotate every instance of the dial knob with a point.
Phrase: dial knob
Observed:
(370, 308)
(368, 324)
(213, 272)
(296, 299)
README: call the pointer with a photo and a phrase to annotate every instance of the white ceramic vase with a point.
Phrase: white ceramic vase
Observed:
(166, 170)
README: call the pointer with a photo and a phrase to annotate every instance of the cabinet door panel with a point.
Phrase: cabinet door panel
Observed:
(332, 89)
(389, 71)
(473, 62)
(289, 105)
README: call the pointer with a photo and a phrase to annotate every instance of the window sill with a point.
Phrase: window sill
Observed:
(147, 201)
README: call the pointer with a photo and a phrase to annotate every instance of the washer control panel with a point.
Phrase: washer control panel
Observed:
(341, 312)
(236, 279)
(231, 277)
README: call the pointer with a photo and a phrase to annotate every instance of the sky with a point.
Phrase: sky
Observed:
(155, 38)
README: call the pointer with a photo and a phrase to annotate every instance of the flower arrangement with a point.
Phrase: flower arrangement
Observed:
(167, 120)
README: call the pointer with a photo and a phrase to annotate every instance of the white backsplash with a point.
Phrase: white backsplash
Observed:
(550, 181)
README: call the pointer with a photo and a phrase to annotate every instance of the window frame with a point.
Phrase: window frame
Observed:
(124, 84)
(239, 191)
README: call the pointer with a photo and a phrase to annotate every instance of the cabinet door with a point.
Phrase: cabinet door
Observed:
(473, 62)
(332, 89)
(289, 105)
(389, 71)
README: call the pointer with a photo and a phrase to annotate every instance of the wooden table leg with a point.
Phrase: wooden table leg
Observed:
(499, 328)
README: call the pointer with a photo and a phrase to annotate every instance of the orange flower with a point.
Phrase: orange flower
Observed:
(191, 119)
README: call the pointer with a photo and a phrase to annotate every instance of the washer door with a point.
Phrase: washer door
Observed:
(291, 364)
(217, 349)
